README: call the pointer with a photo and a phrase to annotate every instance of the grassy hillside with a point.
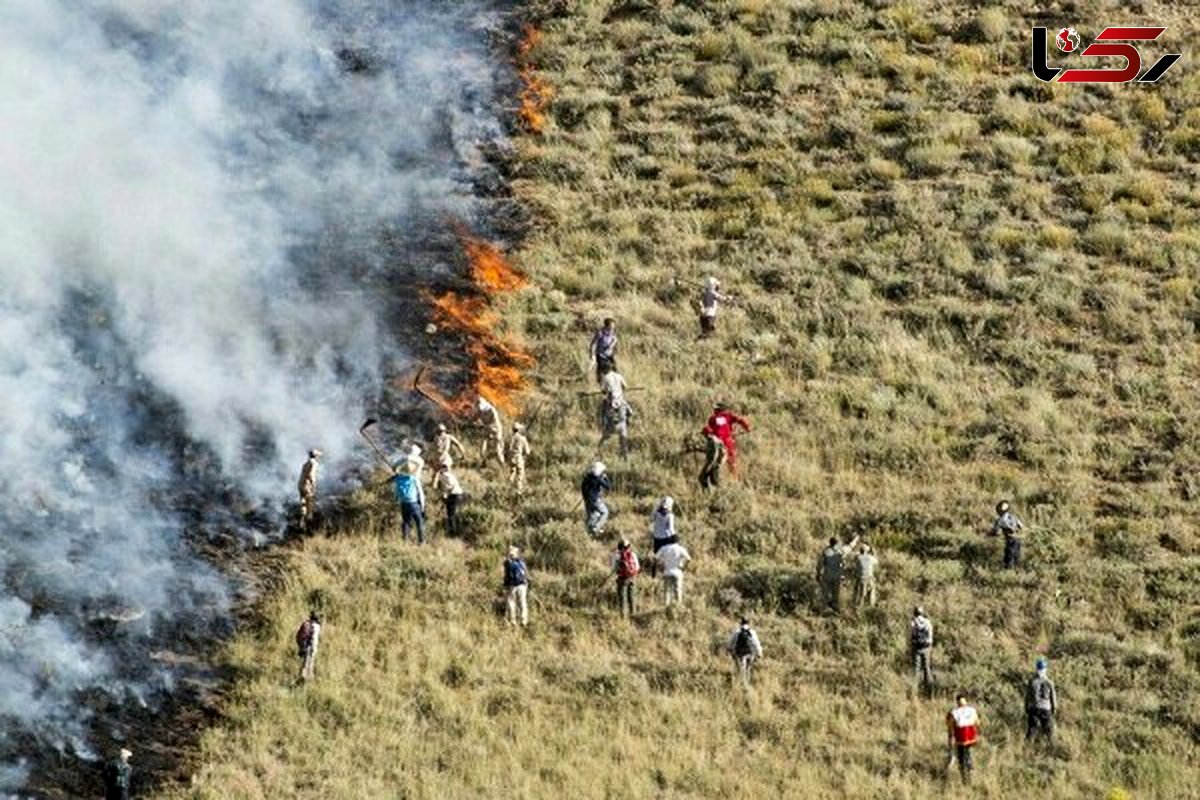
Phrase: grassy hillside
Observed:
(959, 285)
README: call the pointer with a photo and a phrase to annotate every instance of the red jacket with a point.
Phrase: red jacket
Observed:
(721, 423)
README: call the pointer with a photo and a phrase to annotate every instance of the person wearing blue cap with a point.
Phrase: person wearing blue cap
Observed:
(1041, 704)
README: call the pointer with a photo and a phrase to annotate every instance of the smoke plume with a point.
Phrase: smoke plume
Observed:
(203, 204)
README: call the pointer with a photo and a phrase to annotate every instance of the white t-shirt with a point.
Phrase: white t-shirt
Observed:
(710, 301)
(614, 386)
(663, 525)
(672, 559)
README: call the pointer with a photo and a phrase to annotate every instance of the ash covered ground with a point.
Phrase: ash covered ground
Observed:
(216, 216)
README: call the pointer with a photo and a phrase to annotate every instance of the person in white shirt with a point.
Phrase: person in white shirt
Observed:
(662, 523)
(710, 301)
(489, 419)
(452, 494)
(308, 639)
(672, 559)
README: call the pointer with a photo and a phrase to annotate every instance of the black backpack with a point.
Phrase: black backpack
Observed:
(922, 634)
(742, 646)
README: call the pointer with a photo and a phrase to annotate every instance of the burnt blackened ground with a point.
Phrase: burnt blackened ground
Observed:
(395, 270)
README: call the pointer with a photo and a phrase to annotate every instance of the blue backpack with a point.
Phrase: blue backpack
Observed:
(515, 573)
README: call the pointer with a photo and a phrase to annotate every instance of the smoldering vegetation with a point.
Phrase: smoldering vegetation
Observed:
(212, 216)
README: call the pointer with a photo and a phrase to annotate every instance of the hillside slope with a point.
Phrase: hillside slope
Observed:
(958, 285)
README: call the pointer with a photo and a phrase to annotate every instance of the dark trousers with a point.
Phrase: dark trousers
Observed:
(604, 366)
(965, 764)
(1039, 721)
(411, 514)
(452, 502)
(1012, 552)
(714, 455)
(626, 597)
(708, 325)
(922, 659)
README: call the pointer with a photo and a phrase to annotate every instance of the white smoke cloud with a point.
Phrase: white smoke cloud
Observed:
(187, 189)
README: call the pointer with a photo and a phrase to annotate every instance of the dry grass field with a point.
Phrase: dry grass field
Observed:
(957, 284)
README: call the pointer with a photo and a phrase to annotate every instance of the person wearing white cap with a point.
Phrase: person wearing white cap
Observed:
(494, 443)
(308, 488)
(118, 776)
(710, 301)
(452, 493)
(595, 483)
(662, 523)
(410, 494)
(518, 449)
(516, 588)
(444, 442)
(414, 454)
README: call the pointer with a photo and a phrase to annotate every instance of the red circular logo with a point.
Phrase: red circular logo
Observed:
(1067, 40)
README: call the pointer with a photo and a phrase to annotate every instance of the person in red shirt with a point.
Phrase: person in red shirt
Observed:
(962, 727)
(720, 425)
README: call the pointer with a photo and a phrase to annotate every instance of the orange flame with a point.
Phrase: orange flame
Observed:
(535, 93)
(489, 268)
(496, 365)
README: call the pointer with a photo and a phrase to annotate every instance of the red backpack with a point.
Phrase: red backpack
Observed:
(627, 566)
(304, 635)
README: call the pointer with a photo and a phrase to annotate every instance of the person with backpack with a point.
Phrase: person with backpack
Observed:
(118, 776)
(672, 558)
(615, 416)
(962, 726)
(308, 638)
(1041, 704)
(625, 565)
(920, 640)
(410, 494)
(516, 588)
(1010, 525)
(595, 483)
(603, 349)
(865, 593)
(452, 493)
(746, 649)
(830, 568)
